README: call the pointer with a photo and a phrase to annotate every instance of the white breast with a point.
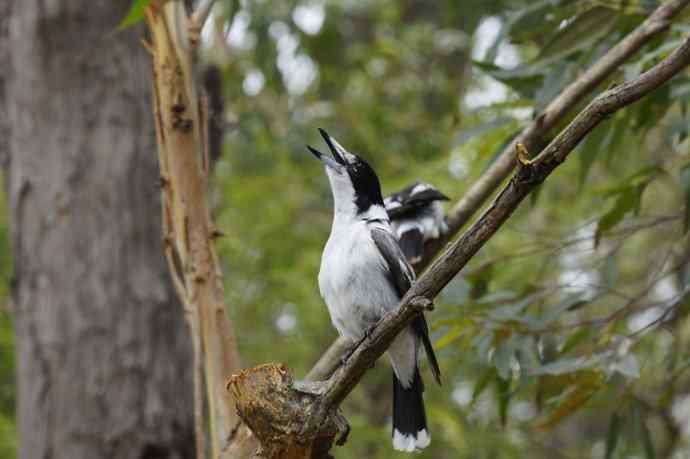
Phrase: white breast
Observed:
(353, 280)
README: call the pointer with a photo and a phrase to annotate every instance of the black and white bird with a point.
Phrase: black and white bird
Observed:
(416, 216)
(363, 275)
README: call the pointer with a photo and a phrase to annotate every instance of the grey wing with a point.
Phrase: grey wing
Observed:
(403, 276)
(400, 270)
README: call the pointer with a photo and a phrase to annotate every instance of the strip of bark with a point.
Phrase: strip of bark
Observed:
(533, 134)
(526, 179)
(181, 127)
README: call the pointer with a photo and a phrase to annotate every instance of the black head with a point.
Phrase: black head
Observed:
(350, 175)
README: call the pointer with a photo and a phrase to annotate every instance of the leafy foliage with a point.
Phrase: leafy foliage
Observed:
(135, 13)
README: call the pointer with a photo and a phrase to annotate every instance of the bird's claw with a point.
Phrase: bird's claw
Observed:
(346, 356)
(343, 427)
(370, 329)
(367, 333)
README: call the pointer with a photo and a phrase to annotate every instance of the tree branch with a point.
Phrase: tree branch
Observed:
(199, 18)
(530, 136)
(529, 175)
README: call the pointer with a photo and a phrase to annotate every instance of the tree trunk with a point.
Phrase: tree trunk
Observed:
(104, 356)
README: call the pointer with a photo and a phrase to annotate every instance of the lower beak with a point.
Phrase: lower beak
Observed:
(327, 160)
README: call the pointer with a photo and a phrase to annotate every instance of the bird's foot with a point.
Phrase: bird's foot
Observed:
(343, 427)
(370, 329)
(367, 333)
(346, 356)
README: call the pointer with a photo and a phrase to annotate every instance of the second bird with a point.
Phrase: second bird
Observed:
(416, 216)
(363, 276)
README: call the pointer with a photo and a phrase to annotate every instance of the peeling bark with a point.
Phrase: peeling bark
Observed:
(182, 121)
(279, 415)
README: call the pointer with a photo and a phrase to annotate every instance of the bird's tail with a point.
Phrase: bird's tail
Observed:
(412, 244)
(409, 418)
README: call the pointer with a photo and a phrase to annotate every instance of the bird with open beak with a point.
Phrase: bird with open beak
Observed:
(363, 276)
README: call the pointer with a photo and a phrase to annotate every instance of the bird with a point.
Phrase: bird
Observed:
(363, 275)
(416, 216)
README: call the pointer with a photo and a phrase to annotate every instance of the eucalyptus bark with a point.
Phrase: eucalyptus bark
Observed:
(104, 355)
(182, 129)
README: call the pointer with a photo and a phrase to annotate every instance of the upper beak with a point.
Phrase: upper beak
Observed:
(339, 153)
(326, 159)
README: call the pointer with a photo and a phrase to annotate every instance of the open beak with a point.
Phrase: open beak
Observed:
(341, 155)
(327, 160)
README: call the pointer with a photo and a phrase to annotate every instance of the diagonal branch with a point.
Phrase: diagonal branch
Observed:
(531, 135)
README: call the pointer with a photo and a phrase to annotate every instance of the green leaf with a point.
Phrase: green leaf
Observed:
(503, 358)
(685, 183)
(562, 366)
(615, 141)
(578, 34)
(592, 148)
(649, 110)
(642, 429)
(579, 335)
(504, 395)
(612, 437)
(575, 400)
(647, 441)
(628, 201)
(466, 134)
(641, 177)
(135, 13)
(482, 383)
(525, 80)
(553, 313)
(452, 335)
(539, 18)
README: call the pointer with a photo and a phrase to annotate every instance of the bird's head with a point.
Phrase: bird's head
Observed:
(355, 186)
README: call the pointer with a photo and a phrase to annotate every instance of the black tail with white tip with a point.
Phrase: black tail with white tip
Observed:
(410, 432)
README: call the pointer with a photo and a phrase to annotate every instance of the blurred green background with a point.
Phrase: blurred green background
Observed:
(567, 335)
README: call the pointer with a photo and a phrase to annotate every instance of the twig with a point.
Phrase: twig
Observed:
(203, 11)
(199, 18)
